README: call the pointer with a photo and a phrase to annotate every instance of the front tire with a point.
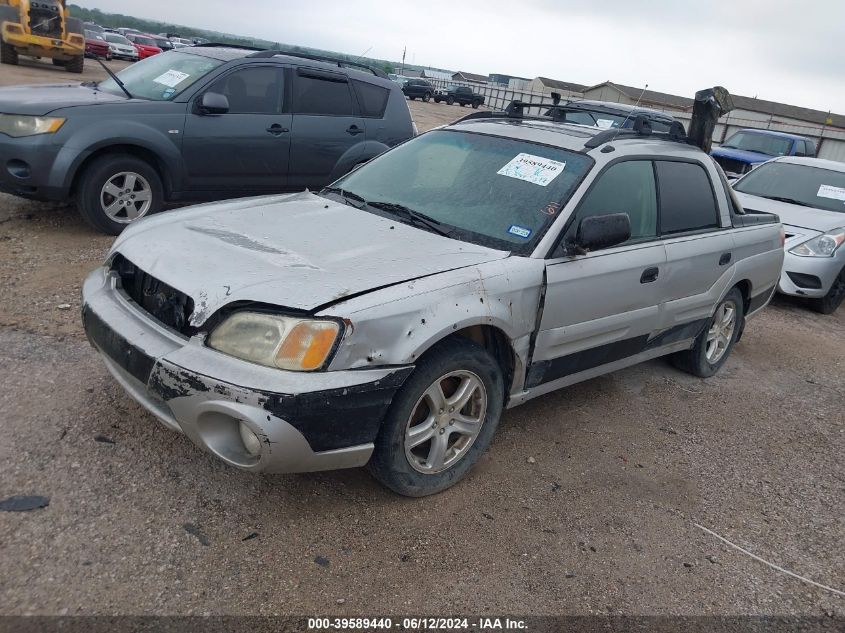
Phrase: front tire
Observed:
(427, 97)
(75, 64)
(829, 303)
(117, 189)
(8, 54)
(441, 421)
(450, 100)
(715, 343)
(475, 105)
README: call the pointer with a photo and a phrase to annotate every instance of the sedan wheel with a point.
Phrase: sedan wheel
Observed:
(445, 422)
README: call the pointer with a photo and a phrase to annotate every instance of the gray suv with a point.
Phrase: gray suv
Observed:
(206, 122)
(391, 318)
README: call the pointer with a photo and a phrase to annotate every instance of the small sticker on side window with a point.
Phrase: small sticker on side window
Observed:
(604, 124)
(829, 191)
(519, 231)
(534, 169)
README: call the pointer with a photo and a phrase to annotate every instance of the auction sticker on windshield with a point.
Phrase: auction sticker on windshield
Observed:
(829, 191)
(171, 78)
(534, 169)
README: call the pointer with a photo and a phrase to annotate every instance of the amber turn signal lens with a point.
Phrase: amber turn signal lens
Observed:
(307, 345)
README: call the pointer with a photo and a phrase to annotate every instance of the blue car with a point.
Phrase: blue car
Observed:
(746, 149)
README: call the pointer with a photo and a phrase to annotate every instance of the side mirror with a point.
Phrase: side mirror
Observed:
(601, 231)
(214, 103)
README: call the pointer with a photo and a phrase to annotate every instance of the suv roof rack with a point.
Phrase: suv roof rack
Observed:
(221, 45)
(341, 63)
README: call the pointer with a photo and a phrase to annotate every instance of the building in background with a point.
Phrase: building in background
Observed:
(544, 85)
(442, 75)
(469, 77)
(504, 80)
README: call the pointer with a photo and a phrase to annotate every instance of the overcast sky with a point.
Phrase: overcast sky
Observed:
(781, 50)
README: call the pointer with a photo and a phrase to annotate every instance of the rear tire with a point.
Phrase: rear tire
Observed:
(8, 54)
(449, 448)
(75, 65)
(716, 341)
(94, 197)
(829, 303)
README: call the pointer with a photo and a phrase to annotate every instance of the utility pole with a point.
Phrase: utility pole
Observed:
(403, 60)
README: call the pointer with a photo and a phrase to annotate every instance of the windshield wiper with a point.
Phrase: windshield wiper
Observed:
(414, 217)
(788, 200)
(346, 195)
(119, 83)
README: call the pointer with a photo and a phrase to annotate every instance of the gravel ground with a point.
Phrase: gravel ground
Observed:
(586, 502)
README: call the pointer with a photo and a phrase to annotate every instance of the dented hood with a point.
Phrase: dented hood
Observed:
(297, 251)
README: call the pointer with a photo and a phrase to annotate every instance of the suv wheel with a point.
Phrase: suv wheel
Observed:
(441, 420)
(116, 190)
(716, 341)
(833, 299)
(8, 54)
(427, 97)
(475, 104)
(450, 100)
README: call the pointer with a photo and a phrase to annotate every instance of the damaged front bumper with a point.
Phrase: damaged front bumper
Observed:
(305, 421)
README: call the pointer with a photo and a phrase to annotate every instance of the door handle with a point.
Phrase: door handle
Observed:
(277, 129)
(649, 275)
(353, 130)
(724, 259)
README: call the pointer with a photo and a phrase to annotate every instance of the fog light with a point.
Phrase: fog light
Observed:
(250, 440)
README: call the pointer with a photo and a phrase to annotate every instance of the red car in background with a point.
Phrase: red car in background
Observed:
(144, 44)
(96, 46)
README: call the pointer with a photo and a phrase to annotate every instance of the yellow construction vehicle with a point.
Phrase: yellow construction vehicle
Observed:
(41, 28)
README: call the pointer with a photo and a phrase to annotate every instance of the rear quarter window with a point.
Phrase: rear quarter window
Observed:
(372, 99)
(686, 198)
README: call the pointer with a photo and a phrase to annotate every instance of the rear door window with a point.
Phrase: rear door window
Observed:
(372, 99)
(686, 198)
(322, 93)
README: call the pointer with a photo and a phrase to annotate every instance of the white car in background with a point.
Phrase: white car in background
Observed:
(120, 47)
(808, 194)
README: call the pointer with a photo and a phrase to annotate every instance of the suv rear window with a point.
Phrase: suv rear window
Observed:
(686, 197)
(315, 95)
(372, 99)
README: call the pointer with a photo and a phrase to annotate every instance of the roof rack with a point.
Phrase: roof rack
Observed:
(221, 45)
(641, 128)
(516, 110)
(341, 63)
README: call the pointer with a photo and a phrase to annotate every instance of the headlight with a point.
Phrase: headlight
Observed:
(22, 125)
(276, 341)
(821, 246)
